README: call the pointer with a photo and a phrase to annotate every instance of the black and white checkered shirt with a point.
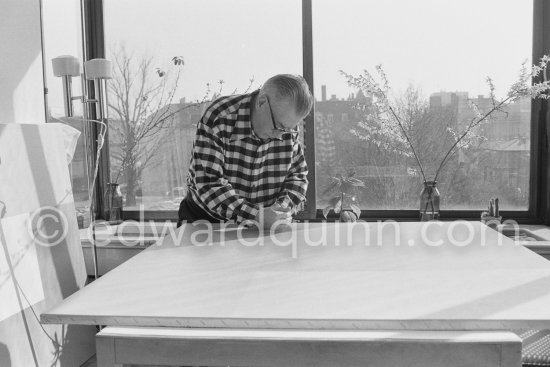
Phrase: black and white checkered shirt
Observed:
(233, 172)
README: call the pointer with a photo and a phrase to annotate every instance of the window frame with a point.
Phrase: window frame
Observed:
(539, 192)
(93, 46)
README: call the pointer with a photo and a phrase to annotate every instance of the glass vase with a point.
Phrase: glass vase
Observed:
(429, 201)
(113, 203)
(346, 213)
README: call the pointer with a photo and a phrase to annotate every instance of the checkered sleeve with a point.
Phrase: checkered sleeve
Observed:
(295, 184)
(213, 188)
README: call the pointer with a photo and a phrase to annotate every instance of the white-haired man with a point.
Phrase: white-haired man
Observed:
(247, 163)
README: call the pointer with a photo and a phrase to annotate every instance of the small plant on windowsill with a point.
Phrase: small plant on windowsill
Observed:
(342, 197)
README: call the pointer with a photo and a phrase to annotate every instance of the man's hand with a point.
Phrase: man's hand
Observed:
(267, 216)
(280, 207)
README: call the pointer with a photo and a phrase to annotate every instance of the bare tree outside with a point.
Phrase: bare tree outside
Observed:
(140, 122)
(147, 122)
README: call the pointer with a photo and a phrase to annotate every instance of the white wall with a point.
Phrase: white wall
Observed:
(21, 79)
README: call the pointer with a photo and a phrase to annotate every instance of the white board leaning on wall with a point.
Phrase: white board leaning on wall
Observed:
(41, 259)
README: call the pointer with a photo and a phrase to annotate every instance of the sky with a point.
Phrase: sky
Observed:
(433, 44)
(436, 45)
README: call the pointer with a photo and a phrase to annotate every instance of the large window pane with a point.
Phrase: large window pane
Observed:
(227, 47)
(437, 57)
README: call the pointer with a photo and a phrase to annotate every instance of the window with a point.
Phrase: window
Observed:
(227, 47)
(437, 58)
(443, 54)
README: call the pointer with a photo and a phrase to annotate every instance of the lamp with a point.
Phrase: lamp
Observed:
(98, 70)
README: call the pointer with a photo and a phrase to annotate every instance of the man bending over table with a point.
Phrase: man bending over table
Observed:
(247, 163)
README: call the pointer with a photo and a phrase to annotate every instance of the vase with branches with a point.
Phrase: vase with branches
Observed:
(387, 124)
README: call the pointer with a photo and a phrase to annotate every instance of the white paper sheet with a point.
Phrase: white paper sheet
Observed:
(16, 240)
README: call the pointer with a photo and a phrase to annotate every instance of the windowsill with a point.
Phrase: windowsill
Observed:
(116, 244)
(541, 247)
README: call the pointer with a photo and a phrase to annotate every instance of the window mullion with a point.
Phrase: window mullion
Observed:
(310, 210)
(94, 47)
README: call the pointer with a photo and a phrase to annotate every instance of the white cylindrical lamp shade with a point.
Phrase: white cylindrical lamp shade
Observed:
(98, 69)
(66, 65)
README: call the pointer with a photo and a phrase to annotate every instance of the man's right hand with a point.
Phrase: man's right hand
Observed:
(267, 216)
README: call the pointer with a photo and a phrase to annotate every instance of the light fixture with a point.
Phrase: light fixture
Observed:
(97, 70)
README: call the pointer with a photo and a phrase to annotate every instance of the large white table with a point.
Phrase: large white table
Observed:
(408, 276)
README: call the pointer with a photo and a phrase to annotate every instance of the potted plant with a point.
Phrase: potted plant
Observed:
(342, 199)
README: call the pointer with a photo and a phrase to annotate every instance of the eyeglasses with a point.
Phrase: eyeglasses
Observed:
(281, 129)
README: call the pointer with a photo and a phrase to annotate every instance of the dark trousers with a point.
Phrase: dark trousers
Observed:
(191, 212)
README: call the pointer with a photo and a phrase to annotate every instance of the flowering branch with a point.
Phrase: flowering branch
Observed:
(471, 126)
(409, 142)
(521, 88)
(382, 105)
(384, 126)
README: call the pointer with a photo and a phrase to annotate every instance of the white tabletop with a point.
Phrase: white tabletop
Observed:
(404, 276)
